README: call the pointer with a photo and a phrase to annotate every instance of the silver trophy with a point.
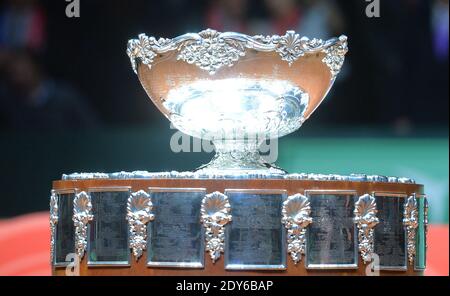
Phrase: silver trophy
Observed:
(237, 90)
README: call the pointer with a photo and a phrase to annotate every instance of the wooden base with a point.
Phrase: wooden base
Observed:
(292, 186)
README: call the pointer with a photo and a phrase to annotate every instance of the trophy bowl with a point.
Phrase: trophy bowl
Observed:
(237, 90)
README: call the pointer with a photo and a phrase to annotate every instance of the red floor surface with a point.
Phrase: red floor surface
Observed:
(24, 246)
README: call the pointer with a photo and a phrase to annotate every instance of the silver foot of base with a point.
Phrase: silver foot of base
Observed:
(238, 158)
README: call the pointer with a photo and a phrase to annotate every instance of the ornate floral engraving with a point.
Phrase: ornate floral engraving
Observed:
(145, 48)
(212, 51)
(215, 213)
(296, 217)
(291, 46)
(335, 56)
(366, 219)
(410, 221)
(139, 213)
(82, 214)
(53, 221)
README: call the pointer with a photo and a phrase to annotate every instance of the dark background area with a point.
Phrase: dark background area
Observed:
(70, 101)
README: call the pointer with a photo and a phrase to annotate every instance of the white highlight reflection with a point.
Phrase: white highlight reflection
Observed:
(237, 108)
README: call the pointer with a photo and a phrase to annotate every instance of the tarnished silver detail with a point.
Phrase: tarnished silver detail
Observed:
(366, 219)
(215, 214)
(238, 174)
(335, 55)
(139, 213)
(410, 221)
(82, 214)
(211, 50)
(53, 221)
(296, 217)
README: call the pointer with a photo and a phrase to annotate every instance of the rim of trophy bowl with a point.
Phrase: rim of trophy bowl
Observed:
(277, 82)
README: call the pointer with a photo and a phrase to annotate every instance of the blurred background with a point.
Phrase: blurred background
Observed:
(69, 101)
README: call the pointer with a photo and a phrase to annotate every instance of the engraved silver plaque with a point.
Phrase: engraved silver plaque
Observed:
(420, 260)
(390, 243)
(176, 236)
(108, 231)
(331, 239)
(64, 241)
(255, 238)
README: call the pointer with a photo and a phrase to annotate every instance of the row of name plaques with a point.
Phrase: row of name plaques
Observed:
(255, 238)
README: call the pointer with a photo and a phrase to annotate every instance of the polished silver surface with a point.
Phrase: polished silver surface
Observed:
(176, 236)
(235, 108)
(108, 242)
(296, 217)
(332, 237)
(366, 219)
(256, 238)
(82, 215)
(139, 214)
(410, 221)
(390, 240)
(215, 214)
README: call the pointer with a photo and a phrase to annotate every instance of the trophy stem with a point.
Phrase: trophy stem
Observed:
(238, 156)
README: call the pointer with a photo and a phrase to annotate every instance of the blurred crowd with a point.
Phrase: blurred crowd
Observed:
(59, 73)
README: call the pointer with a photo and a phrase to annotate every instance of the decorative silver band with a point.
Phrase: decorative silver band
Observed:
(411, 222)
(82, 215)
(215, 214)
(366, 219)
(211, 50)
(139, 213)
(268, 175)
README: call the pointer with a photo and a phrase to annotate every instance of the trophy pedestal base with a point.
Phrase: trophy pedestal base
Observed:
(255, 240)
(235, 158)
